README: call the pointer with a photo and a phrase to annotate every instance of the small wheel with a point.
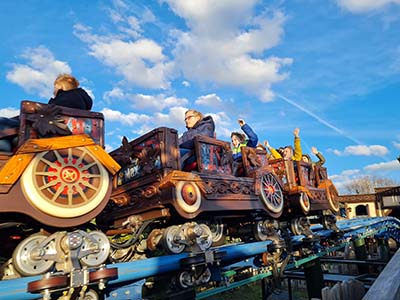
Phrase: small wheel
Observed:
(295, 226)
(300, 226)
(206, 239)
(304, 203)
(96, 259)
(91, 295)
(26, 259)
(218, 233)
(185, 279)
(65, 183)
(188, 196)
(329, 222)
(259, 231)
(272, 195)
(171, 238)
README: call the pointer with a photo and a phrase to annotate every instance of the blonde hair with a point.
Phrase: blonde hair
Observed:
(195, 113)
(66, 82)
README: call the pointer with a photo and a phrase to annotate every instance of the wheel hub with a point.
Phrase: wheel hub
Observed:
(70, 174)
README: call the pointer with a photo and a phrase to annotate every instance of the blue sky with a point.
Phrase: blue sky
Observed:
(330, 68)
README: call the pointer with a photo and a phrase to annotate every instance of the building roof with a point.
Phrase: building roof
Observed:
(357, 198)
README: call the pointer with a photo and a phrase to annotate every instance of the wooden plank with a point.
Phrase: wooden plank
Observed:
(387, 285)
(13, 169)
(46, 144)
(112, 166)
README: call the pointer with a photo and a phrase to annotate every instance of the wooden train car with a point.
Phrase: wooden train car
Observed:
(210, 197)
(57, 177)
(73, 205)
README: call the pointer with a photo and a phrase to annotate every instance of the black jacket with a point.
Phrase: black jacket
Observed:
(203, 127)
(75, 98)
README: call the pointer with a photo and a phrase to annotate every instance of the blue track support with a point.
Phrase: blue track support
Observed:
(129, 272)
(15, 289)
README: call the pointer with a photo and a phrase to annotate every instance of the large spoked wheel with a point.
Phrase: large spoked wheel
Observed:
(272, 195)
(332, 195)
(65, 183)
(26, 257)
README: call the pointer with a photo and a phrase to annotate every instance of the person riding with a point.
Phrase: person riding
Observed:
(67, 93)
(307, 158)
(287, 152)
(196, 124)
(239, 139)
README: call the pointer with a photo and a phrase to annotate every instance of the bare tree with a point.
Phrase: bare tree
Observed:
(366, 184)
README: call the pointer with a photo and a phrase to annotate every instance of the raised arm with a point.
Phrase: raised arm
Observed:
(297, 146)
(251, 135)
(275, 154)
(321, 158)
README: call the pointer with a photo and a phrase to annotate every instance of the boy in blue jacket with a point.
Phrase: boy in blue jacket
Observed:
(239, 139)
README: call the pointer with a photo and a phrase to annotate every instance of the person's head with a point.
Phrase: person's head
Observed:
(286, 152)
(261, 147)
(192, 117)
(306, 158)
(237, 138)
(65, 82)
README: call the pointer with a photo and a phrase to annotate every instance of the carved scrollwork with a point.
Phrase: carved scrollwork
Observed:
(236, 187)
(217, 187)
(48, 121)
(150, 191)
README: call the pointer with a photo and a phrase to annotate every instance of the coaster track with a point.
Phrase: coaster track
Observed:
(130, 272)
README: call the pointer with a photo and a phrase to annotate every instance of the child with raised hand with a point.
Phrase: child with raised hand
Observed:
(239, 139)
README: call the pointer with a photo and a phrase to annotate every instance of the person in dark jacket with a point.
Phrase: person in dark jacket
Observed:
(196, 124)
(68, 93)
(239, 139)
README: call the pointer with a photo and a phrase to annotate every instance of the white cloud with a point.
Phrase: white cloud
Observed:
(129, 119)
(140, 62)
(360, 6)
(385, 166)
(397, 145)
(142, 123)
(157, 102)
(115, 93)
(145, 102)
(38, 73)
(9, 112)
(226, 45)
(210, 100)
(186, 83)
(372, 150)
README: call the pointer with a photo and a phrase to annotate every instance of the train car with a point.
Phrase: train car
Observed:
(66, 204)
(195, 207)
(57, 178)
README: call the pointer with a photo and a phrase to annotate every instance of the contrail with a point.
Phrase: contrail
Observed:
(338, 130)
